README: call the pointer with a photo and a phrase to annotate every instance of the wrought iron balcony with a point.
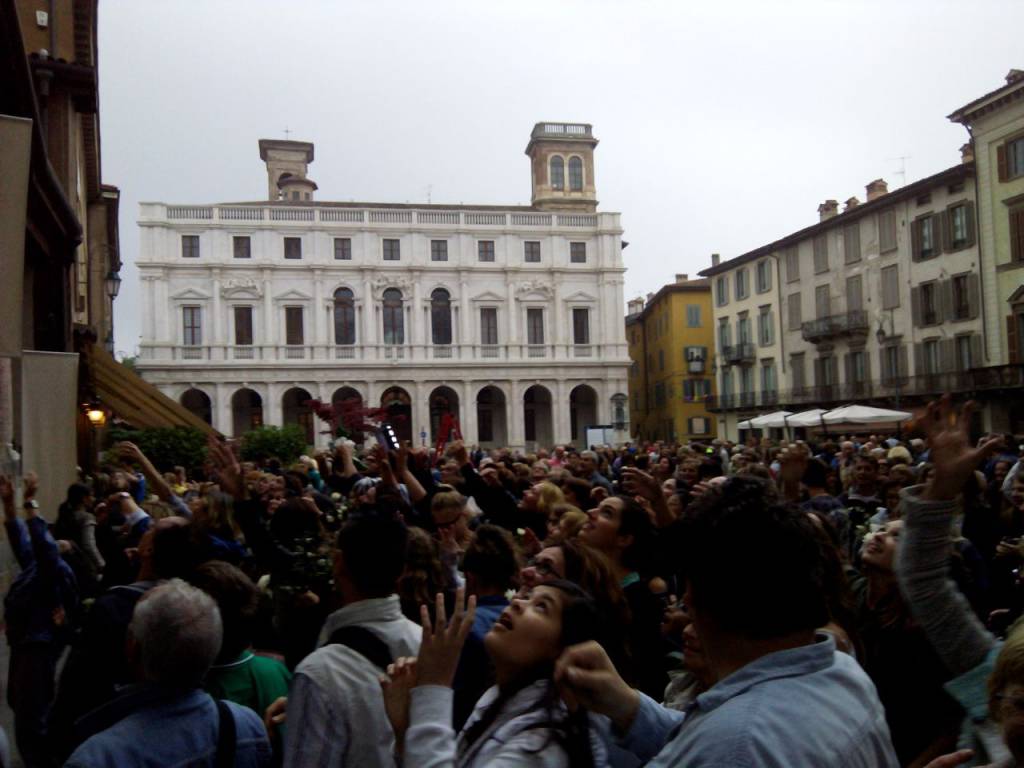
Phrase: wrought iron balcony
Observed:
(853, 323)
(739, 353)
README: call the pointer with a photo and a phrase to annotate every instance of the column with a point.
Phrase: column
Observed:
(369, 314)
(319, 327)
(151, 310)
(558, 335)
(272, 413)
(416, 333)
(222, 417)
(164, 311)
(512, 335)
(420, 412)
(514, 414)
(218, 333)
(269, 321)
(466, 337)
(561, 423)
(467, 413)
(604, 402)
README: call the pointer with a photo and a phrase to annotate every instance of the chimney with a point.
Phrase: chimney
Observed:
(876, 189)
(682, 278)
(852, 203)
(967, 153)
(649, 297)
(828, 209)
(635, 306)
(1014, 76)
(715, 259)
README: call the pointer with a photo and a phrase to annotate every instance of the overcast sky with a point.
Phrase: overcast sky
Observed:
(723, 124)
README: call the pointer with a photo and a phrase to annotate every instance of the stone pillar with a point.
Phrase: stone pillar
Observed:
(369, 314)
(466, 338)
(415, 335)
(420, 412)
(221, 408)
(218, 331)
(467, 413)
(561, 422)
(269, 321)
(272, 412)
(319, 326)
(512, 335)
(514, 414)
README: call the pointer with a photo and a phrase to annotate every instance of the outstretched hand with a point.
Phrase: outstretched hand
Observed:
(396, 685)
(229, 471)
(636, 482)
(949, 442)
(442, 644)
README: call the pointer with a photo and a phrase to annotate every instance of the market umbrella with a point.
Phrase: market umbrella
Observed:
(865, 414)
(811, 418)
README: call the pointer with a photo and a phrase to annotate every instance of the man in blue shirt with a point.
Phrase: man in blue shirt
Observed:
(754, 573)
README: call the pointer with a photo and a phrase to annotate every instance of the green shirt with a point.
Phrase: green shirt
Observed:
(250, 680)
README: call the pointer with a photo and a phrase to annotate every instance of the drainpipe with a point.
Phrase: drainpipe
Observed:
(981, 272)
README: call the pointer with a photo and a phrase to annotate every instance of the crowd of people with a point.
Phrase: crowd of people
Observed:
(850, 602)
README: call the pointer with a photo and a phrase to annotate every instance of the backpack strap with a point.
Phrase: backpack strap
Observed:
(227, 741)
(365, 643)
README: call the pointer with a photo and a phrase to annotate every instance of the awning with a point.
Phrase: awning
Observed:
(135, 400)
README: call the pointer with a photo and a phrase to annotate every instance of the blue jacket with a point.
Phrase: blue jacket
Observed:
(45, 583)
(157, 727)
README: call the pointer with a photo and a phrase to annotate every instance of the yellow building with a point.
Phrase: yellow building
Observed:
(671, 344)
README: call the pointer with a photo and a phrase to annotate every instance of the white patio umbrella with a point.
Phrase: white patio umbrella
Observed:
(775, 420)
(865, 414)
(811, 418)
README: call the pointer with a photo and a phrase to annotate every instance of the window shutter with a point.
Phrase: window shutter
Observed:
(919, 359)
(976, 352)
(1017, 235)
(1001, 162)
(867, 370)
(969, 213)
(946, 293)
(947, 354)
(834, 363)
(973, 295)
(848, 365)
(903, 367)
(942, 235)
(885, 374)
(915, 240)
(915, 306)
(941, 306)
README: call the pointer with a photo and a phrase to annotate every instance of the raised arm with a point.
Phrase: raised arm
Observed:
(923, 563)
(416, 491)
(156, 481)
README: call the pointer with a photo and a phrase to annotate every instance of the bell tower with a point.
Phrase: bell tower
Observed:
(287, 163)
(562, 167)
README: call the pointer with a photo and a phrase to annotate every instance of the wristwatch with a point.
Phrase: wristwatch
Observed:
(31, 504)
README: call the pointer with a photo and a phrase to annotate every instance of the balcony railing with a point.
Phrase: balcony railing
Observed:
(739, 353)
(582, 350)
(847, 324)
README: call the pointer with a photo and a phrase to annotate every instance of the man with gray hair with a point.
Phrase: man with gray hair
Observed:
(174, 637)
(588, 468)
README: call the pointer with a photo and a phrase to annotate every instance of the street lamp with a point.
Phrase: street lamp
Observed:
(95, 414)
(112, 282)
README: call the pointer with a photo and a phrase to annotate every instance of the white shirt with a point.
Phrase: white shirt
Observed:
(336, 711)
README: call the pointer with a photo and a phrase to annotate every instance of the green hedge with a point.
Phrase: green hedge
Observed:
(284, 443)
(166, 447)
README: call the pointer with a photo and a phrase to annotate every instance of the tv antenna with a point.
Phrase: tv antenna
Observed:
(287, 133)
(902, 171)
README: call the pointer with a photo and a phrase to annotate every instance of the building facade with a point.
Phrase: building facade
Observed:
(504, 316)
(880, 303)
(996, 125)
(671, 348)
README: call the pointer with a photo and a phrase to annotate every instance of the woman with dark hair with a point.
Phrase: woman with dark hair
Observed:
(623, 531)
(521, 721)
(76, 523)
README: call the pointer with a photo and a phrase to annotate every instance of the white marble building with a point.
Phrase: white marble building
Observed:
(507, 316)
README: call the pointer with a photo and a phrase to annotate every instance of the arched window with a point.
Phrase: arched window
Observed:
(344, 317)
(440, 316)
(575, 174)
(557, 173)
(394, 323)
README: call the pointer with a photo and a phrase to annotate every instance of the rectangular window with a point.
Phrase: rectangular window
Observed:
(890, 287)
(488, 325)
(190, 246)
(534, 325)
(887, 230)
(929, 304)
(392, 249)
(699, 425)
(891, 368)
(531, 251)
(695, 358)
(851, 243)
(743, 329)
(343, 248)
(765, 327)
(854, 293)
(192, 318)
(742, 290)
(578, 253)
(1017, 235)
(925, 236)
(747, 383)
(241, 247)
(293, 247)
(439, 250)
(721, 291)
(958, 226)
(964, 356)
(930, 357)
(293, 325)
(693, 315)
(822, 302)
(1014, 159)
(858, 368)
(824, 370)
(961, 297)
(821, 254)
(727, 383)
(485, 250)
(794, 312)
(724, 333)
(764, 276)
(580, 326)
(243, 326)
(768, 376)
(792, 264)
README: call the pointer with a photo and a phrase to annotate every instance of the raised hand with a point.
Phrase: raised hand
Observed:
(587, 678)
(953, 457)
(793, 461)
(636, 482)
(229, 471)
(459, 453)
(396, 685)
(442, 644)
